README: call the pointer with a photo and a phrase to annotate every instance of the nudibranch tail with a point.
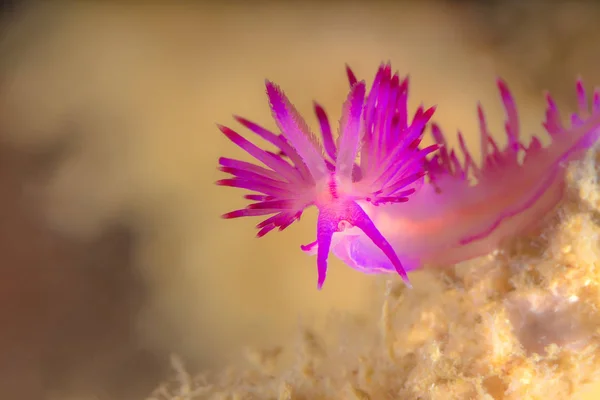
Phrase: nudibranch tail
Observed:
(513, 180)
(303, 172)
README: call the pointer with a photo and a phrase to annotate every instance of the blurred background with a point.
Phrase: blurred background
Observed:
(112, 252)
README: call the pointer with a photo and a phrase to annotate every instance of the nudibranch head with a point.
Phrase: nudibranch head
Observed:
(376, 159)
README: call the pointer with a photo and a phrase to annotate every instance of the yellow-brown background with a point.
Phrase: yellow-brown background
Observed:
(108, 119)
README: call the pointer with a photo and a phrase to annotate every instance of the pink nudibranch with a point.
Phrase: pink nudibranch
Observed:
(400, 206)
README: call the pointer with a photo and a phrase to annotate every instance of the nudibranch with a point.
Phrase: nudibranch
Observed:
(388, 204)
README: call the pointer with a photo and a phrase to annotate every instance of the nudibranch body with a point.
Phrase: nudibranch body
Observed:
(362, 182)
(451, 219)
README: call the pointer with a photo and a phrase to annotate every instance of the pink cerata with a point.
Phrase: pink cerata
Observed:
(388, 204)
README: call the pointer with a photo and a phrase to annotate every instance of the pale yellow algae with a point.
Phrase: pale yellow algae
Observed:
(522, 323)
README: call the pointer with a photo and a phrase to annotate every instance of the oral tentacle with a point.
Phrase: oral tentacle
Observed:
(337, 217)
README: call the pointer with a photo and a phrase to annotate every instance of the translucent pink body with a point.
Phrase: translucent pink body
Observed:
(452, 221)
